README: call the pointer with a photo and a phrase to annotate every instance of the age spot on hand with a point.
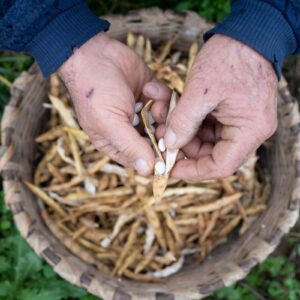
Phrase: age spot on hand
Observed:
(90, 93)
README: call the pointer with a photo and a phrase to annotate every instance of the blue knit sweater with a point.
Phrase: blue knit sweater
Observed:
(50, 29)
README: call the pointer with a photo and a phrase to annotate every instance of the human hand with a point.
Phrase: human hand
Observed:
(227, 110)
(105, 78)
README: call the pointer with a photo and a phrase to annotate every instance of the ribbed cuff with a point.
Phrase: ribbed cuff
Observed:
(260, 26)
(52, 46)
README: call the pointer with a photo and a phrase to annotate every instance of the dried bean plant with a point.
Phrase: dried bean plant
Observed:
(125, 224)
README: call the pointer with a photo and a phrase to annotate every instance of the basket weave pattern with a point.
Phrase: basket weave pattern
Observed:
(23, 120)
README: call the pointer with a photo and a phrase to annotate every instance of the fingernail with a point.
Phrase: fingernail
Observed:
(151, 90)
(170, 138)
(141, 166)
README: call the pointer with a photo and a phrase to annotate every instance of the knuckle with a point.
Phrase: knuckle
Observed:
(101, 144)
(129, 150)
(107, 148)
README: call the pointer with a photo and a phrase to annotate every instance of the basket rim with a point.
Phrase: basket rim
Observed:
(87, 279)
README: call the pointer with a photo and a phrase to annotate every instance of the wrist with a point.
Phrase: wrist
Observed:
(54, 44)
(93, 46)
(262, 27)
(247, 58)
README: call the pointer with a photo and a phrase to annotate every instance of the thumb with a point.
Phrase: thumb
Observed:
(184, 121)
(132, 147)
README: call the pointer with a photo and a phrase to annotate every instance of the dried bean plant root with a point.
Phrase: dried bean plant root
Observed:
(125, 224)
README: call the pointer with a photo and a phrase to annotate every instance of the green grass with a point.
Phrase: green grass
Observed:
(276, 278)
(11, 65)
(25, 276)
(213, 10)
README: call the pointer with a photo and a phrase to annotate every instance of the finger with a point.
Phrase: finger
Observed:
(157, 91)
(209, 131)
(192, 108)
(194, 149)
(180, 155)
(226, 157)
(197, 148)
(106, 147)
(161, 94)
(159, 111)
(131, 146)
(204, 150)
(160, 131)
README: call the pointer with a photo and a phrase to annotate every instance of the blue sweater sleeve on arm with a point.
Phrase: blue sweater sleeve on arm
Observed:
(48, 30)
(271, 27)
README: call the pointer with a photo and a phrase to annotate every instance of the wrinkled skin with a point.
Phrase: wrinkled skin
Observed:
(227, 110)
(105, 79)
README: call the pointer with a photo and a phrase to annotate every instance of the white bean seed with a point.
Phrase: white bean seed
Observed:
(160, 167)
(161, 145)
(138, 107)
(135, 120)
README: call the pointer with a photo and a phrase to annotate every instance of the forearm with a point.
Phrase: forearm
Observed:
(272, 28)
(48, 31)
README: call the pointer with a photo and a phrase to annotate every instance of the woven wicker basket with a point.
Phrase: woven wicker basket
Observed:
(22, 122)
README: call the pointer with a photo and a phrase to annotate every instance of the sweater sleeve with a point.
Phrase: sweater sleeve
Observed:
(271, 27)
(48, 30)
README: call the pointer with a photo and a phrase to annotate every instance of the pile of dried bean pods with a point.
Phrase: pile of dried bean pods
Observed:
(108, 216)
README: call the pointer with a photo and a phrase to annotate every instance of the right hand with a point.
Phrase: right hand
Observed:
(227, 110)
